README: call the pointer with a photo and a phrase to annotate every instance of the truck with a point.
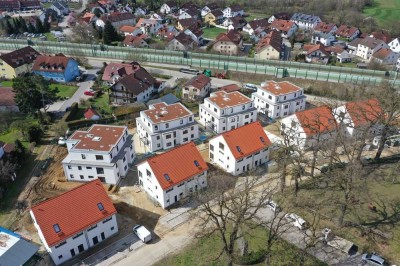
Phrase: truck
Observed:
(339, 243)
(220, 75)
(142, 233)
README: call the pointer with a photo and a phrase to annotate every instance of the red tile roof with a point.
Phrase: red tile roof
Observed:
(364, 112)
(89, 113)
(282, 25)
(231, 36)
(135, 41)
(162, 112)
(121, 69)
(324, 27)
(382, 53)
(346, 31)
(246, 140)
(317, 120)
(73, 211)
(273, 39)
(7, 97)
(199, 81)
(230, 88)
(178, 164)
(20, 57)
(310, 48)
(9, 147)
(280, 88)
(382, 35)
(224, 99)
(49, 63)
(127, 28)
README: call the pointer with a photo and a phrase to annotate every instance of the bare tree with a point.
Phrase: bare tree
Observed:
(7, 171)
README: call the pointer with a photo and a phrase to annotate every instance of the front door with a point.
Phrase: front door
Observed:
(95, 240)
(176, 198)
(103, 236)
(72, 252)
(81, 248)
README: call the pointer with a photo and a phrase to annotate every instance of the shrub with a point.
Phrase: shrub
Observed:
(72, 112)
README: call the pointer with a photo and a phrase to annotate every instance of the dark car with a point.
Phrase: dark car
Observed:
(332, 166)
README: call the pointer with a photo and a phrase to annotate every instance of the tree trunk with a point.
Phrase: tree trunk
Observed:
(382, 143)
(296, 183)
(343, 209)
(283, 178)
(313, 163)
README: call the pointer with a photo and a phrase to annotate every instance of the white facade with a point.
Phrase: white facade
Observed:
(366, 52)
(228, 13)
(184, 15)
(395, 45)
(109, 166)
(191, 92)
(224, 117)
(121, 96)
(168, 197)
(166, 9)
(172, 127)
(220, 154)
(325, 39)
(279, 105)
(80, 242)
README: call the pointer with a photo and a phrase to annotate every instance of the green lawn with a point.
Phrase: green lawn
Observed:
(212, 33)
(384, 11)
(50, 37)
(64, 90)
(7, 83)
(101, 103)
(254, 15)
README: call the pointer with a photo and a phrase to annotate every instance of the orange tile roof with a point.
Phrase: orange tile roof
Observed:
(230, 36)
(310, 48)
(225, 99)
(248, 139)
(178, 164)
(280, 88)
(73, 211)
(346, 31)
(127, 28)
(282, 25)
(89, 113)
(199, 81)
(162, 112)
(98, 138)
(317, 120)
(324, 27)
(230, 88)
(382, 53)
(364, 112)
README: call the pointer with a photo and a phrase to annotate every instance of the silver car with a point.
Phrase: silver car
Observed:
(372, 259)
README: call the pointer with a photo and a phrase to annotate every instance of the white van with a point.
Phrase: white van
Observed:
(142, 233)
(250, 86)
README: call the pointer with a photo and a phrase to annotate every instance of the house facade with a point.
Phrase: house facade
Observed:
(102, 152)
(224, 111)
(385, 56)
(305, 21)
(233, 11)
(278, 99)
(241, 149)
(316, 53)
(169, 7)
(61, 8)
(368, 46)
(181, 42)
(287, 28)
(197, 87)
(228, 43)
(270, 47)
(148, 26)
(395, 45)
(17, 62)
(347, 33)
(75, 221)
(59, 68)
(117, 19)
(323, 38)
(327, 28)
(214, 17)
(171, 176)
(165, 126)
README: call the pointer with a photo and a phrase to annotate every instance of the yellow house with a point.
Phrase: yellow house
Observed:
(185, 23)
(270, 47)
(214, 17)
(17, 62)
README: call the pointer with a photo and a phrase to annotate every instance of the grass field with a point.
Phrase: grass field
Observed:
(64, 90)
(212, 33)
(384, 11)
(253, 15)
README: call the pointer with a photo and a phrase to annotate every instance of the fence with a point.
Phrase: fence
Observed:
(222, 62)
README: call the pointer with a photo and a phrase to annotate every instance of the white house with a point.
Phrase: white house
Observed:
(169, 7)
(208, 8)
(323, 27)
(286, 27)
(310, 127)
(305, 21)
(188, 13)
(240, 150)
(395, 45)
(385, 56)
(233, 11)
(148, 26)
(368, 46)
(75, 221)
(355, 117)
(102, 152)
(117, 19)
(164, 126)
(348, 33)
(197, 87)
(171, 176)
(224, 111)
(324, 38)
(278, 99)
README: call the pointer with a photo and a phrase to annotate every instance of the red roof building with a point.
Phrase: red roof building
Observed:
(365, 112)
(91, 114)
(317, 120)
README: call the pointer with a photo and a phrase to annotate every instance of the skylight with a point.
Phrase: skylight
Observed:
(166, 176)
(100, 206)
(238, 149)
(262, 139)
(56, 228)
(196, 163)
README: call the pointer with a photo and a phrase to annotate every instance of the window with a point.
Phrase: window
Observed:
(148, 173)
(181, 121)
(71, 176)
(123, 160)
(169, 190)
(166, 125)
(69, 167)
(81, 176)
(211, 147)
(221, 146)
(168, 136)
(185, 131)
(169, 144)
(77, 235)
(155, 127)
(158, 137)
(83, 156)
(79, 167)
(99, 157)
(99, 170)
(185, 139)
(107, 220)
(88, 167)
(60, 257)
(90, 176)
(93, 227)
(190, 119)
(100, 206)
(246, 116)
(244, 106)
(112, 228)
(56, 228)
(270, 97)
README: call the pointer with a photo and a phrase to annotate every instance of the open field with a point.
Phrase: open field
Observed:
(212, 33)
(384, 11)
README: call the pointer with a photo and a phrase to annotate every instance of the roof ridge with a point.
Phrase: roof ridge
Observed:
(169, 151)
(235, 129)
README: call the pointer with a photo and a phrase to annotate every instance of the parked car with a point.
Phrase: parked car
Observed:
(61, 141)
(89, 93)
(330, 167)
(142, 233)
(373, 259)
(250, 86)
(296, 220)
(274, 206)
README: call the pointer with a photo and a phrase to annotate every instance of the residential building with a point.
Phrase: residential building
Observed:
(14, 248)
(241, 149)
(183, 24)
(224, 111)
(195, 33)
(228, 43)
(171, 176)
(214, 17)
(58, 67)
(395, 45)
(164, 126)
(270, 47)
(230, 88)
(282, 16)
(61, 8)
(353, 45)
(256, 24)
(17, 62)
(189, 13)
(368, 46)
(286, 27)
(323, 38)
(7, 102)
(140, 11)
(233, 11)
(169, 7)
(347, 33)
(130, 30)
(310, 128)
(196, 88)
(360, 117)
(11, 6)
(304, 21)
(75, 221)
(181, 42)
(208, 8)
(135, 87)
(385, 56)
(136, 41)
(117, 19)
(188, 5)
(344, 57)
(327, 28)
(167, 32)
(91, 114)
(102, 152)
(316, 53)
(234, 23)
(115, 70)
(381, 35)
(148, 26)
(278, 99)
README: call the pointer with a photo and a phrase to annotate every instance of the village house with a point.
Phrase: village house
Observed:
(135, 87)
(181, 42)
(189, 13)
(282, 16)
(7, 101)
(323, 38)
(327, 28)
(395, 45)
(183, 24)
(117, 19)
(381, 35)
(234, 23)
(385, 56)
(75, 221)
(130, 30)
(286, 27)
(58, 68)
(209, 8)
(148, 26)
(195, 33)
(136, 41)
(278, 99)
(196, 88)
(270, 47)
(347, 33)
(214, 17)
(17, 62)
(61, 8)
(256, 24)
(91, 114)
(224, 111)
(233, 11)
(102, 152)
(316, 53)
(169, 7)
(240, 150)
(166, 32)
(171, 176)
(115, 70)
(164, 126)
(228, 43)
(304, 21)
(310, 128)
(368, 46)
